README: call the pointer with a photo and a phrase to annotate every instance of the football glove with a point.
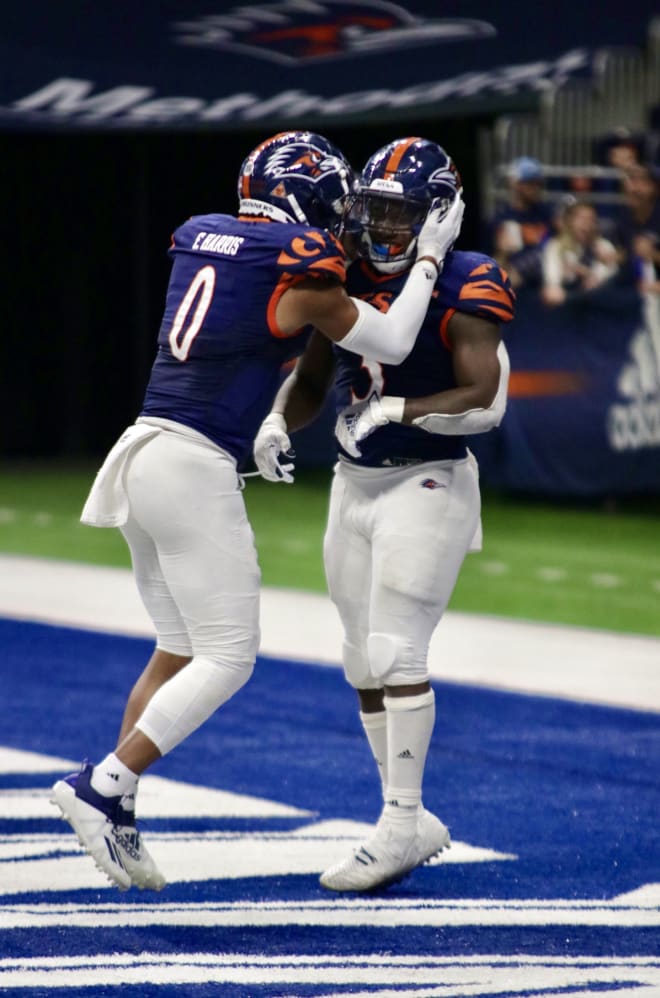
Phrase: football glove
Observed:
(438, 235)
(358, 421)
(270, 445)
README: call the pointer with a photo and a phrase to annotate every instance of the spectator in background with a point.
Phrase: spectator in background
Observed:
(639, 235)
(579, 258)
(638, 224)
(621, 149)
(618, 151)
(520, 229)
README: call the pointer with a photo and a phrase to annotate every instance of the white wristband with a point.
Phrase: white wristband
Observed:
(392, 408)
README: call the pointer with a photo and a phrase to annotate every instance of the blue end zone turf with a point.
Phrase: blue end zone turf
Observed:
(553, 808)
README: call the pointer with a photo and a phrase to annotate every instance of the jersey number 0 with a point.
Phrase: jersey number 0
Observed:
(191, 312)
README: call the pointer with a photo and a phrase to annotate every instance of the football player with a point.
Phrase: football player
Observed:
(243, 295)
(405, 501)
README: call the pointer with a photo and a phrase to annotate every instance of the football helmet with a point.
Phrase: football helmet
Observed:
(297, 177)
(399, 185)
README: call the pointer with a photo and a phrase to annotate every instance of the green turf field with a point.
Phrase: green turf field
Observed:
(566, 563)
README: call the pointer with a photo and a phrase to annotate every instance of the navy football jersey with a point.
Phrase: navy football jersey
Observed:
(219, 347)
(470, 282)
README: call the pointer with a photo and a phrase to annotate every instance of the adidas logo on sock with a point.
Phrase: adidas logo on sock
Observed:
(406, 754)
(113, 776)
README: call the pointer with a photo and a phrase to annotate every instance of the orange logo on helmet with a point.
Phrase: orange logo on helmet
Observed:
(310, 160)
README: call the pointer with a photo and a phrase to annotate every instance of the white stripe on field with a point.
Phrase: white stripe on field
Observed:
(464, 976)
(568, 662)
(378, 914)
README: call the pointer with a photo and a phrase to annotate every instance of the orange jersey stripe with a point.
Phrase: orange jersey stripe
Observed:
(444, 336)
(396, 156)
(491, 292)
(285, 282)
(331, 265)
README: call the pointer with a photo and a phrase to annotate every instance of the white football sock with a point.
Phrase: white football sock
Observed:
(112, 778)
(375, 728)
(410, 723)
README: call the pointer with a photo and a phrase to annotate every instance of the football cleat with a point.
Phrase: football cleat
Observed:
(107, 832)
(388, 856)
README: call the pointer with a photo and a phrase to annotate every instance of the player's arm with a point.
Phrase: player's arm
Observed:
(475, 405)
(302, 394)
(481, 371)
(385, 337)
(298, 402)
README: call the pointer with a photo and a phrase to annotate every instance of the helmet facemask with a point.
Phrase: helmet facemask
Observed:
(401, 183)
(386, 227)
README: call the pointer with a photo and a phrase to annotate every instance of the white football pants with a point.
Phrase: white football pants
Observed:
(394, 545)
(196, 569)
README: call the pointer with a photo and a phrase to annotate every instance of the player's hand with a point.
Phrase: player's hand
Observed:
(270, 445)
(438, 235)
(356, 422)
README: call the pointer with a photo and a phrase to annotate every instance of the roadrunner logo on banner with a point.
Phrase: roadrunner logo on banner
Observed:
(298, 31)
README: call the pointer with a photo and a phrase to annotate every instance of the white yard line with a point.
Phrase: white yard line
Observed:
(522, 656)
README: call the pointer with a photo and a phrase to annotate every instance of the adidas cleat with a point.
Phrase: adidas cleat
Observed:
(107, 832)
(388, 856)
(135, 856)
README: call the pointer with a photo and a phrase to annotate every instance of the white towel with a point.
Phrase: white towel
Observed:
(476, 544)
(107, 502)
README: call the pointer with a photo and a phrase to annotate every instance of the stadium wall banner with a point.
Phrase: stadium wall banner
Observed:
(190, 64)
(583, 414)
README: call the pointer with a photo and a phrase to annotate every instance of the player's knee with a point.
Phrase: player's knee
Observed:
(225, 677)
(356, 668)
(234, 647)
(392, 660)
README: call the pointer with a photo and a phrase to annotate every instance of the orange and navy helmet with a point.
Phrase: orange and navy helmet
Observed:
(297, 177)
(399, 185)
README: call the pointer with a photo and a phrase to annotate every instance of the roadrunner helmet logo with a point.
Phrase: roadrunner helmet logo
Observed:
(300, 161)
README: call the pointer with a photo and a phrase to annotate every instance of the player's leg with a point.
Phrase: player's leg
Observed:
(173, 649)
(425, 525)
(347, 560)
(100, 801)
(208, 560)
(183, 497)
(161, 666)
(420, 538)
